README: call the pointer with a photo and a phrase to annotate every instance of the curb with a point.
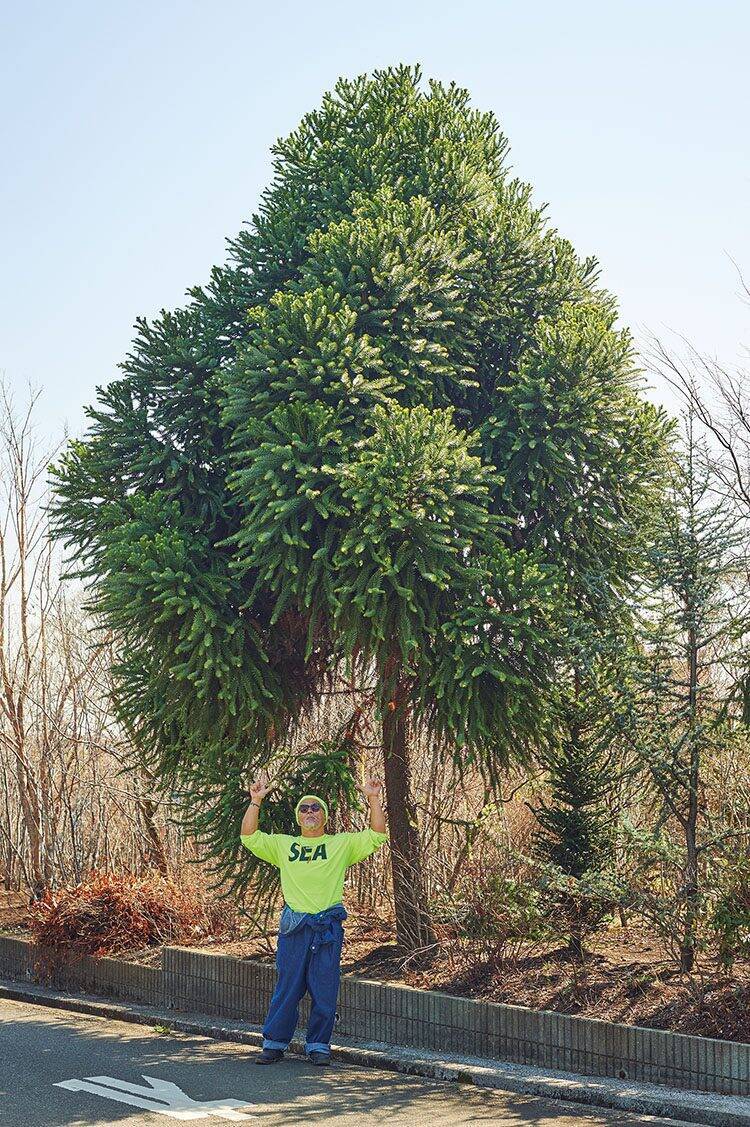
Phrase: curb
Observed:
(638, 1098)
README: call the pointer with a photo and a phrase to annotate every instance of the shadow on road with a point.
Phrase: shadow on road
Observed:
(40, 1047)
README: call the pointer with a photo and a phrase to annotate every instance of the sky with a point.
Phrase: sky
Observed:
(136, 139)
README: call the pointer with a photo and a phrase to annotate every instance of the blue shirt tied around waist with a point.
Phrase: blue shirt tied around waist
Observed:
(307, 961)
(320, 922)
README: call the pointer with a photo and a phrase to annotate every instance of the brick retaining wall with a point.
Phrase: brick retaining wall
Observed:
(401, 1015)
(113, 978)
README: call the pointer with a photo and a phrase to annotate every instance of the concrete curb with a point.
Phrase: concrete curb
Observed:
(231, 989)
(640, 1098)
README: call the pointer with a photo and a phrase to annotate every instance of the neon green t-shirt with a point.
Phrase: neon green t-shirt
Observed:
(313, 868)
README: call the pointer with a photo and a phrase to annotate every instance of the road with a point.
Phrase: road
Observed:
(41, 1048)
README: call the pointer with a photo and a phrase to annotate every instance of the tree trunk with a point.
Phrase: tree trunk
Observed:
(690, 880)
(414, 930)
(153, 852)
(687, 948)
(575, 943)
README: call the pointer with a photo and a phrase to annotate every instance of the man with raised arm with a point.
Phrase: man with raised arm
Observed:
(308, 951)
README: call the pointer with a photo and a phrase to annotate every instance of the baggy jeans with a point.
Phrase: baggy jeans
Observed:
(304, 964)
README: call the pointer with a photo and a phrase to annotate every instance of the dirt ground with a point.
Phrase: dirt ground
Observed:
(625, 976)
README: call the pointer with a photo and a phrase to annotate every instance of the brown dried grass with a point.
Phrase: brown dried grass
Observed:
(110, 914)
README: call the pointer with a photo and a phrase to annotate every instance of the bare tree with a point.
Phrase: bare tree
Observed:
(719, 399)
(64, 809)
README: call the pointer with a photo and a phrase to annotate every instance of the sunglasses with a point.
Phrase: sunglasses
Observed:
(310, 807)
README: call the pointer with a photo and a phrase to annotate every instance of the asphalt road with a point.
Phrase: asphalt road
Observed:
(41, 1047)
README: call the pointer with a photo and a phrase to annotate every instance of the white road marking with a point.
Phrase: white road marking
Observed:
(161, 1096)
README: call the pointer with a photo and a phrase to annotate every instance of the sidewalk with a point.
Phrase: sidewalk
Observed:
(646, 1099)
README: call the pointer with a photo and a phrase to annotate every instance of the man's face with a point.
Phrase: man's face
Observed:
(311, 819)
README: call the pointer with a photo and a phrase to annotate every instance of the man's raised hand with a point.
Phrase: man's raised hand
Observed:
(258, 787)
(371, 787)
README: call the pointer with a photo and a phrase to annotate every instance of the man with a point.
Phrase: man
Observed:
(308, 950)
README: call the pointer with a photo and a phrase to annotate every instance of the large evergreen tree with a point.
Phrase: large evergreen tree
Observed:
(398, 431)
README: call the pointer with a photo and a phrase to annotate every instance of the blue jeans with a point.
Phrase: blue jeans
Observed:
(304, 963)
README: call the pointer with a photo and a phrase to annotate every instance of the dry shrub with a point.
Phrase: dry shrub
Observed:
(730, 920)
(494, 913)
(110, 914)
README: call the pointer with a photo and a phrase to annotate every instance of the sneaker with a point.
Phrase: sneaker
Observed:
(317, 1057)
(269, 1056)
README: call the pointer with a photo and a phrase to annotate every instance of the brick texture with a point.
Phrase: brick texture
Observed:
(401, 1015)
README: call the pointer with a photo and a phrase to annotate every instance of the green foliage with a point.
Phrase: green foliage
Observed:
(730, 919)
(656, 889)
(690, 623)
(584, 761)
(692, 628)
(398, 422)
(500, 912)
(576, 834)
(579, 905)
(576, 831)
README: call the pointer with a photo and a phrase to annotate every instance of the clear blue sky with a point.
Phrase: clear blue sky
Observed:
(135, 139)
